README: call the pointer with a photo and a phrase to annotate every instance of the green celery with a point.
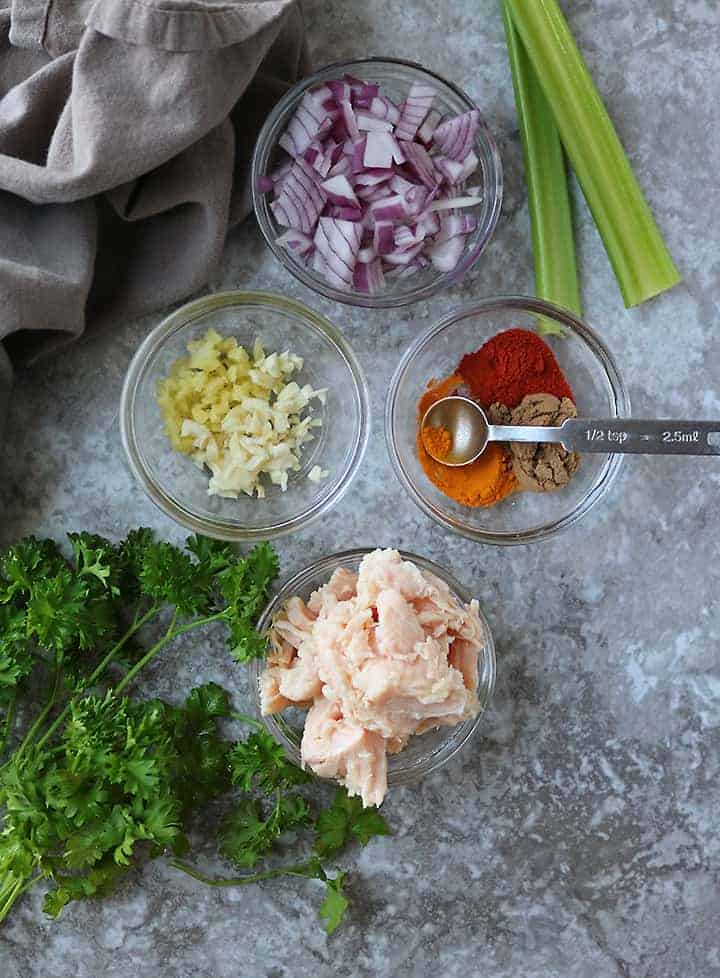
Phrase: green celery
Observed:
(637, 252)
(556, 277)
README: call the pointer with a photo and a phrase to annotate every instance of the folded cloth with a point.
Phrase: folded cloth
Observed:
(126, 129)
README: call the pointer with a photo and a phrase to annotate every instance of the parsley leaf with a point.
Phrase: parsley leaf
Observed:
(244, 586)
(344, 820)
(332, 909)
(260, 762)
(25, 563)
(247, 834)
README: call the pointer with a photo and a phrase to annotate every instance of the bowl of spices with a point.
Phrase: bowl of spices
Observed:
(492, 352)
(244, 415)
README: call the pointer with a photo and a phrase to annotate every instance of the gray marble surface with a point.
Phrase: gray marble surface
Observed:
(578, 835)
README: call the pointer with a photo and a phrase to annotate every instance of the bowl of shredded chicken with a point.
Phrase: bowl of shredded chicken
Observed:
(384, 663)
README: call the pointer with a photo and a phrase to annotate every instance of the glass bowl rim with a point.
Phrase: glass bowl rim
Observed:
(143, 357)
(458, 736)
(444, 279)
(577, 328)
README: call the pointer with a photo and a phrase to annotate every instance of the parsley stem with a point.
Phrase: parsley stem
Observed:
(44, 712)
(310, 869)
(100, 668)
(169, 637)
(8, 723)
(11, 891)
(244, 718)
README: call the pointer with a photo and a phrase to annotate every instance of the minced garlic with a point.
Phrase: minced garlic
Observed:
(239, 414)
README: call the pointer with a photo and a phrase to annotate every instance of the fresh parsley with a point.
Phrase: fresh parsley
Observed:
(99, 779)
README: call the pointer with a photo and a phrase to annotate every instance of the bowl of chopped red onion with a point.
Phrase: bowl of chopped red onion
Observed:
(376, 183)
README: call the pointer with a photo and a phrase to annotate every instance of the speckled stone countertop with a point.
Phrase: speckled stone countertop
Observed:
(578, 836)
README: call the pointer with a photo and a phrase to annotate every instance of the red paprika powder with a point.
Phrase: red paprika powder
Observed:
(512, 364)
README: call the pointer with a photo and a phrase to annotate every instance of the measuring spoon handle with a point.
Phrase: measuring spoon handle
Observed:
(638, 437)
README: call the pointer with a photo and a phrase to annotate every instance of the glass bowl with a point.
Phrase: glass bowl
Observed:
(172, 480)
(523, 517)
(394, 78)
(424, 753)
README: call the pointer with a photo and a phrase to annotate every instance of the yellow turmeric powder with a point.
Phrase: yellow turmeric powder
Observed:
(438, 441)
(482, 483)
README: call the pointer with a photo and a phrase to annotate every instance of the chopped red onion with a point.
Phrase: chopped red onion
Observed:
(456, 136)
(369, 194)
(417, 105)
(384, 108)
(450, 203)
(421, 163)
(453, 224)
(394, 208)
(295, 241)
(446, 255)
(407, 237)
(340, 90)
(371, 178)
(367, 122)
(403, 256)
(341, 168)
(383, 237)
(369, 277)
(343, 213)
(450, 169)
(337, 242)
(427, 129)
(310, 120)
(360, 205)
(338, 190)
(382, 150)
(300, 201)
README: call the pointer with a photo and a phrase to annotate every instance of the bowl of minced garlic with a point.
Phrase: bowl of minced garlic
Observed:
(245, 415)
(516, 378)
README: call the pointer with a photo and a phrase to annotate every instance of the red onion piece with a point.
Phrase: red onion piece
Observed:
(310, 120)
(300, 201)
(338, 190)
(417, 105)
(383, 238)
(427, 129)
(349, 119)
(337, 243)
(455, 137)
(341, 168)
(369, 277)
(358, 155)
(421, 164)
(296, 242)
(343, 213)
(403, 256)
(394, 208)
(446, 255)
(450, 203)
(450, 169)
(340, 90)
(367, 122)
(384, 108)
(453, 224)
(366, 254)
(382, 150)
(265, 184)
(371, 178)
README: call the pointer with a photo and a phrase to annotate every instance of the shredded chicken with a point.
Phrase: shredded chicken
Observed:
(380, 655)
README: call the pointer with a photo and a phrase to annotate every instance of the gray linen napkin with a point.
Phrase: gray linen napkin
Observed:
(126, 128)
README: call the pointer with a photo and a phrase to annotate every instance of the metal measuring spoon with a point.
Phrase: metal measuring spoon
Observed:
(471, 431)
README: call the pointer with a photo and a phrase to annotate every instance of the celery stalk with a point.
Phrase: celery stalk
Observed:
(556, 276)
(640, 260)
